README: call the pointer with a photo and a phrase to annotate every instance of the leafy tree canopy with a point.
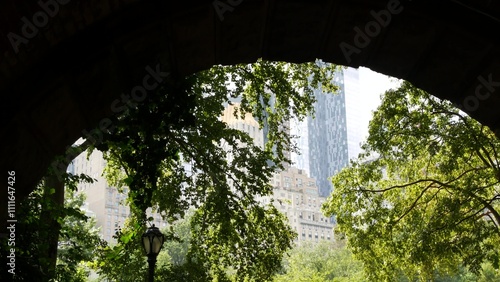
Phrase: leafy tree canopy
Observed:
(333, 261)
(174, 152)
(424, 194)
(322, 261)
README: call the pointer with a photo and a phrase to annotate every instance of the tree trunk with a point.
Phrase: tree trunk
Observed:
(49, 220)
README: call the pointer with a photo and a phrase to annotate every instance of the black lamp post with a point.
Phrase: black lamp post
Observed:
(152, 241)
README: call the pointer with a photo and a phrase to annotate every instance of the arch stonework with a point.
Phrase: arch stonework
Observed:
(65, 62)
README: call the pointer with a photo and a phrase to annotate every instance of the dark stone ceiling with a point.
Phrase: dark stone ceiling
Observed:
(64, 62)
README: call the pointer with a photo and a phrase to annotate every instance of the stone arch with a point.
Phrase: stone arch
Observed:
(64, 62)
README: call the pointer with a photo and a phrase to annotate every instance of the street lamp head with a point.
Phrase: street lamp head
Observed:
(152, 241)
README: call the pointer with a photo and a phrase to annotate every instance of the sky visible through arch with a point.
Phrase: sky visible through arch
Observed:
(372, 85)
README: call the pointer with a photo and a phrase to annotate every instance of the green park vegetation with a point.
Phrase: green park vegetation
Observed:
(423, 199)
(147, 147)
(420, 204)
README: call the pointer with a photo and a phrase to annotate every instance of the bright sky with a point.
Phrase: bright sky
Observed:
(374, 84)
(366, 99)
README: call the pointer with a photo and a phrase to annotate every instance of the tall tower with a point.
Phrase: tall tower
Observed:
(332, 137)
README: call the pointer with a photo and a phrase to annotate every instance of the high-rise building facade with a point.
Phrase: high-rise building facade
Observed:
(296, 196)
(329, 140)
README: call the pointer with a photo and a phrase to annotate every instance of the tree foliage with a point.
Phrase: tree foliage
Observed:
(323, 261)
(425, 193)
(333, 261)
(78, 237)
(78, 240)
(174, 152)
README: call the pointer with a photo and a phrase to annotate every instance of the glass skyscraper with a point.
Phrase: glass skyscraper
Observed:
(329, 140)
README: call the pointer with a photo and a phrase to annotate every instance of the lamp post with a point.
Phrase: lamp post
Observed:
(152, 241)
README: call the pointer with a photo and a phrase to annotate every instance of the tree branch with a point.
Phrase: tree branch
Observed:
(120, 161)
(488, 214)
(488, 205)
(444, 184)
(414, 202)
(463, 219)
(488, 162)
